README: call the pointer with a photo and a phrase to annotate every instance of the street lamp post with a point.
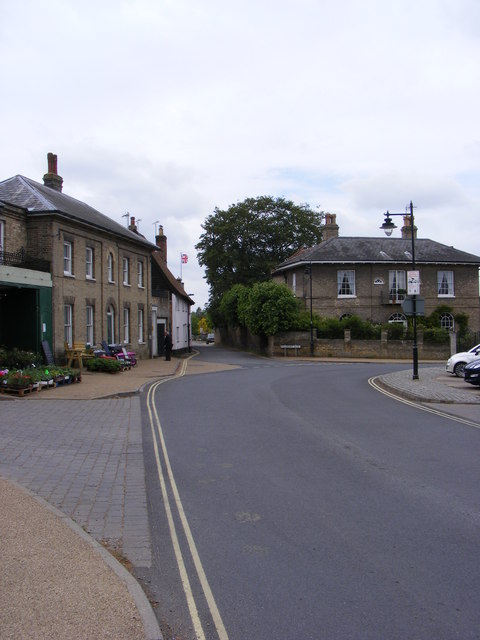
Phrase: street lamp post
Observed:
(388, 226)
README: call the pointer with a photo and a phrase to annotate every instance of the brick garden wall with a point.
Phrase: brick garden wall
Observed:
(328, 348)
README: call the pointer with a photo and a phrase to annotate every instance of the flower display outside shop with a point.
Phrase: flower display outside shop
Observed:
(32, 375)
(19, 379)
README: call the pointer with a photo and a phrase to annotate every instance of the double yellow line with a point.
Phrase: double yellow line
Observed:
(167, 480)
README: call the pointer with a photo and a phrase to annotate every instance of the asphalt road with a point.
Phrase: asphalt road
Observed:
(294, 501)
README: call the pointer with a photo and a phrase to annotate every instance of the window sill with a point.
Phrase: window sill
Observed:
(90, 279)
(446, 295)
(68, 275)
(111, 282)
(127, 284)
(346, 296)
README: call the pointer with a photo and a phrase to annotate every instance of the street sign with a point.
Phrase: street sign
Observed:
(407, 306)
(413, 283)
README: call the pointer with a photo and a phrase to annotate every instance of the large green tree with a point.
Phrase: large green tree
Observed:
(271, 308)
(242, 244)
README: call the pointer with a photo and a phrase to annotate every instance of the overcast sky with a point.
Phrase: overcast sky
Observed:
(169, 108)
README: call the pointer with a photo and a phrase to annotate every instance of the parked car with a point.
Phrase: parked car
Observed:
(472, 372)
(456, 363)
(210, 338)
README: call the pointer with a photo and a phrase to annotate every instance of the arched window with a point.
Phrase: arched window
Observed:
(110, 324)
(397, 318)
(344, 316)
(447, 321)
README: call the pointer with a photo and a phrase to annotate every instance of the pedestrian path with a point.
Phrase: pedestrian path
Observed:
(434, 385)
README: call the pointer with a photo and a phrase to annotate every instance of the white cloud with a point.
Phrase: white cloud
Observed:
(167, 109)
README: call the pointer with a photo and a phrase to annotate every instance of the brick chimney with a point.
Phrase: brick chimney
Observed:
(161, 242)
(132, 226)
(52, 179)
(407, 228)
(330, 229)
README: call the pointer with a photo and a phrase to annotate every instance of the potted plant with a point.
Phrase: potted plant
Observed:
(19, 382)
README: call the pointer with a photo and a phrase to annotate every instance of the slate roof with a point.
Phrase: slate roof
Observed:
(36, 198)
(377, 251)
(173, 283)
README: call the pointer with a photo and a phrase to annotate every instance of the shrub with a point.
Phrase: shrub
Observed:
(361, 329)
(19, 359)
(330, 328)
(435, 335)
(109, 365)
(395, 330)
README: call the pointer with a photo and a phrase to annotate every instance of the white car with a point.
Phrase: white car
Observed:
(456, 364)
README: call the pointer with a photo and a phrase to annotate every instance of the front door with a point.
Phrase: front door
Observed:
(161, 325)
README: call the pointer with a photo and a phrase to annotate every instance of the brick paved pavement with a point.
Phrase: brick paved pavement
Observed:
(86, 459)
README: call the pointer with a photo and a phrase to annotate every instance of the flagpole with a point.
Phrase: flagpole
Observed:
(181, 262)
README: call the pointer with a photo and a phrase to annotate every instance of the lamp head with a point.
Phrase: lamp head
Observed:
(388, 226)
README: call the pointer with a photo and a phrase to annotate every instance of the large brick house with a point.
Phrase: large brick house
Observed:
(68, 273)
(367, 276)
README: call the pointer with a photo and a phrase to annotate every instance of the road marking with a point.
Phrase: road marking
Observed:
(372, 382)
(157, 434)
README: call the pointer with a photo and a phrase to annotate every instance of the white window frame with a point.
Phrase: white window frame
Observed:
(447, 321)
(346, 277)
(110, 268)
(89, 325)
(445, 284)
(141, 325)
(110, 324)
(89, 255)
(126, 325)
(68, 324)
(397, 279)
(140, 274)
(126, 271)
(67, 258)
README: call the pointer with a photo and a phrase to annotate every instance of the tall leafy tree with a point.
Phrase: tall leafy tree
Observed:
(272, 308)
(242, 244)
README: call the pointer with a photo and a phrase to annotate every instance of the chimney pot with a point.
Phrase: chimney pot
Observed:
(51, 178)
(330, 229)
(52, 163)
(132, 226)
(161, 242)
(407, 228)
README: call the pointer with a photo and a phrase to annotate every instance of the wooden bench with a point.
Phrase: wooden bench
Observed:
(77, 353)
(290, 346)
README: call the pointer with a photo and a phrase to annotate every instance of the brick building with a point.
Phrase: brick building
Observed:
(367, 276)
(70, 273)
(170, 303)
